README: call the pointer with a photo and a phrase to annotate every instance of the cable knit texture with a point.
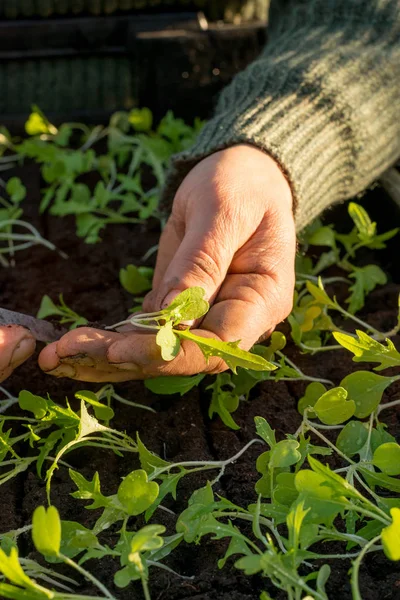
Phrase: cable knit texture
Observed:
(322, 99)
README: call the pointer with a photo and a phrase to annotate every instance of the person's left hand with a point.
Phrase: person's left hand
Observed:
(17, 344)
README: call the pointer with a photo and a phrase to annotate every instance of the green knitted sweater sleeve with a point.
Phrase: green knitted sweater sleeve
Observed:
(322, 99)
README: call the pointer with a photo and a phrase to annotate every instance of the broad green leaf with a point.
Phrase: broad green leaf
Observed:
(339, 485)
(141, 119)
(285, 491)
(391, 536)
(352, 438)
(319, 294)
(136, 493)
(366, 389)
(265, 431)
(15, 189)
(148, 460)
(251, 564)
(333, 407)
(48, 308)
(324, 236)
(365, 280)
(168, 486)
(284, 454)
(366, 349)
(136, 280)
(35, 404)
(313, 392)
(102, 411)
(46, 530)
(387, 458)
(380, 436)
(188, 305)
(168, 341)
(75, 538)
(229, 352)
(173, 385)
(148, 538)
(37, 123)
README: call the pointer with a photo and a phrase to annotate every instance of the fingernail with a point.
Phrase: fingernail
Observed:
(127, 366)
(169, 297)
(63, 371)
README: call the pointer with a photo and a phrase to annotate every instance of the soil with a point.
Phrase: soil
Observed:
(181, 429)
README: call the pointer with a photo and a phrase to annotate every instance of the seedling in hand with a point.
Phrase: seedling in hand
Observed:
(191, 305)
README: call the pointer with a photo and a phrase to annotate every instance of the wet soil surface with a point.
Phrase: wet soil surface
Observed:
(180, 430)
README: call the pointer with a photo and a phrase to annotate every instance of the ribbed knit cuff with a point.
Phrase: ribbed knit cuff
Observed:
(323, 101)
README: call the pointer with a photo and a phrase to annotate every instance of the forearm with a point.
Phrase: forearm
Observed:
(322, 100)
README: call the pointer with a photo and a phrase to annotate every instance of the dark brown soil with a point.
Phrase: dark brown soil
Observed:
(179, 431)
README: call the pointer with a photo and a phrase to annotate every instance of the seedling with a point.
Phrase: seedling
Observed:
(65, 314)
(188, 306)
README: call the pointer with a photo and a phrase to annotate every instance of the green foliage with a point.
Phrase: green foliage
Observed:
(190, 305)
(67, 153)
(61, 311)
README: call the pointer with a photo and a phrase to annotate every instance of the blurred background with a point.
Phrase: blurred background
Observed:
(85, 59)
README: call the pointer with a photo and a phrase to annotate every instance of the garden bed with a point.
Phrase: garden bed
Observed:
(181, 429)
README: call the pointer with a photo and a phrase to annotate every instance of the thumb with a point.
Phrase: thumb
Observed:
(203, 260)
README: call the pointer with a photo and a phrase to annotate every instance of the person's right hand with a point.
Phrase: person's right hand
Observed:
(16, 345)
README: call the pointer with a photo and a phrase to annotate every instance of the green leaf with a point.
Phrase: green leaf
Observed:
(15, 189)
(102, 411)
(313, 392)
(75, 538)
(366, 280)
(339, 485)
(48, 308)
(229, 352)
(188, 305)
(366, 349)
(294, 521)
(46, 530)
(141, 119)
(333, 407)
(168, 341)
(35, 404)
(148, 538)
(284, 454)
(148, 460)
(324, 236)
(89, 490)
(319, 294)
(265, 431)
(223, 402)
(37, 123)
(136, 280)
(365, 227)
(387, 458)
(352, 438)
(173, 385)
(391, 536)
(12, 570)
(366, 389)
(136, 493)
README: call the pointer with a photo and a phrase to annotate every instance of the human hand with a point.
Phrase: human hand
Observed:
(16, 345)
(231, 232)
